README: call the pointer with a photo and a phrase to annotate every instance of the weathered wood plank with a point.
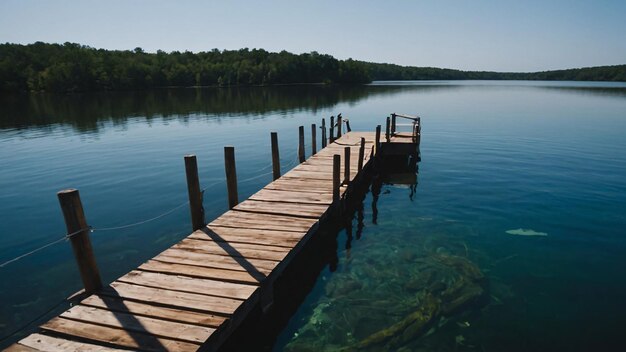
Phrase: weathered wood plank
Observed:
(278, 208)
(184, 300)
(155, 311)
(224, 245)
(285, 239)
(231, 249)
(199, 271)
(297, 185)
(182, 256)
(187, 284)
(242, 219)
(130, 322)
(293, 197)
(40, 342)
(308, 175)
(16, 347)
(116, 336)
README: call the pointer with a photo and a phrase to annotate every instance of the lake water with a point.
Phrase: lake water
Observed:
(496, 157)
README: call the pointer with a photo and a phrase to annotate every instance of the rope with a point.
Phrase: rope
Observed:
(64, 238)
(254, 177)
(140, 222)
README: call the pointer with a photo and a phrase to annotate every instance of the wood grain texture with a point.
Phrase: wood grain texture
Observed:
(114, 336)
(146, 325)
(40, 342)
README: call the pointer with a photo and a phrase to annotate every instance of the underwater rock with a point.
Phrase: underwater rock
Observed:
(526, 232)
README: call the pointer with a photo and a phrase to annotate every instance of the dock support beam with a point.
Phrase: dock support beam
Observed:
(346, 165)
(393, 124)
(348, 126)
(78, 232)
(194, 192)
(301, 144)
(336, 176)
(331, 137)
(377, 141)
(275, 156)
(388, 130)
(361, 155)
(323, 133)
(313, 139)
(339, 126)
(231, 176)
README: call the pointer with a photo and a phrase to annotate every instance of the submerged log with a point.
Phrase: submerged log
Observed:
(407, 329)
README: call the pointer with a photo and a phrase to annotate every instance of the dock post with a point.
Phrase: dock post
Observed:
(419, 130)
(194, 192)
(377, 141)
(331, 137)
(388, 130)
(323, 133)
(361, 154)
(275, 156)
(301, 144)
(313, 139)
(348, 126)
(339, 126)
(393, 124)
(336, 182)
(346, 171)
(78, 232)
(231, 176)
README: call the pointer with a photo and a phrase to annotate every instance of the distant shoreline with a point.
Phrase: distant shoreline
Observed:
(70, 67)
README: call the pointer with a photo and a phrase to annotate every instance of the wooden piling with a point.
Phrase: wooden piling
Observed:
(377, 140)
(301, 144)
(348, 126)
(323, 133)
(275, 155)
(77, 227)
(194, 192)
(231, 176)
(331, 137)
(346, 170)
(336, 176)
(361, 154)
(393, 124)
(313, 139)
(339, 126)
(419, 131)
(388, 129)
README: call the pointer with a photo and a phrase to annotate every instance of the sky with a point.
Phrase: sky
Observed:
(511, 36)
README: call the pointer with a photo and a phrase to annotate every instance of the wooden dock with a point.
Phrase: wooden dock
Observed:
(193, 295)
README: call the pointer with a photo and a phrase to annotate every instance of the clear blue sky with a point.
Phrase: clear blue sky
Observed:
(470, 35)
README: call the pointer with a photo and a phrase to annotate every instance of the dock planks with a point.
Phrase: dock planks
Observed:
(195, 293)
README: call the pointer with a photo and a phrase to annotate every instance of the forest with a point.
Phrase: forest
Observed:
(72, 67)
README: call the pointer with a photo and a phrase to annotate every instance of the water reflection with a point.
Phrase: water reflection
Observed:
(86, 112)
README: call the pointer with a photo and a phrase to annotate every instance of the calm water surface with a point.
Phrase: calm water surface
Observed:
(496, 156)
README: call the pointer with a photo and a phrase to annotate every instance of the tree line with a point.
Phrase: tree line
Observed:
(72, 67)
